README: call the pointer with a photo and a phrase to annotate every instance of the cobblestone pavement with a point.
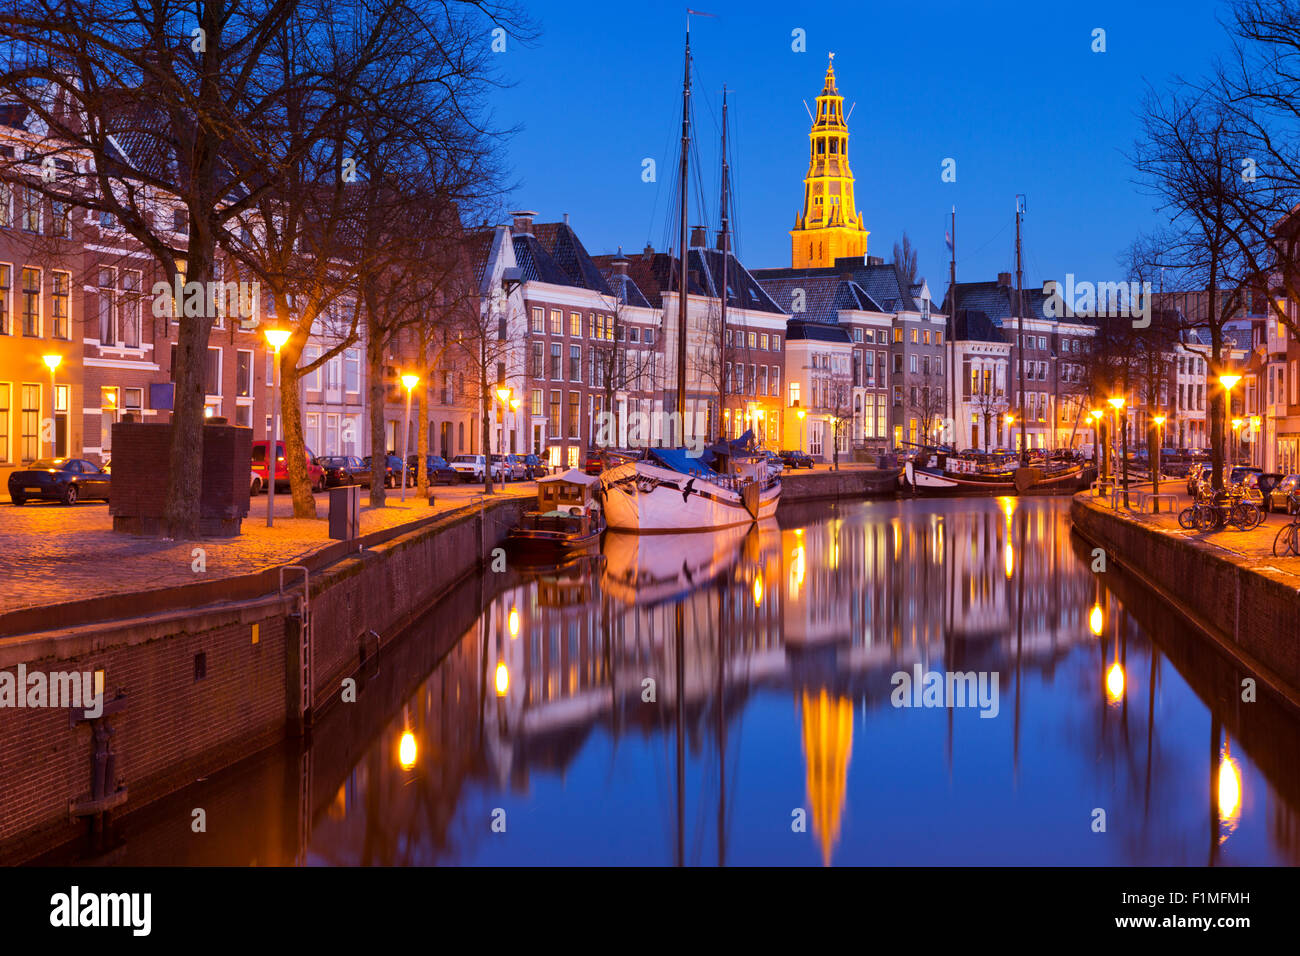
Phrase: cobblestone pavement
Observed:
(1254, 547)
(50, 553)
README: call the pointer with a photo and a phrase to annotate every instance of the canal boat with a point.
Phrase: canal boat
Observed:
(937, 472)
(568, 518)
(675, 489)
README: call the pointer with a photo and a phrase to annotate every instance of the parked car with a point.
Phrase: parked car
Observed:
(439, 472)
(775, 463)
(536, 467)
(472, 467)
(392, 472)
(59, 479)
(516, 468)
(796, 459)
(1289, 485)
(594, 464)
(315, 473)
(342, 470)
(255, 485)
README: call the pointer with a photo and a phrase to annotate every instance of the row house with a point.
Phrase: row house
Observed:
(735, 369)
(819, 356)
(1046, 389)
(979, 382)
(568, 346)
(898, 356)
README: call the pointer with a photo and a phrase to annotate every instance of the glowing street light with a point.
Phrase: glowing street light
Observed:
(276, 338)
(52, 361)
(1117, 402)
(410, 381)
(1227, 380)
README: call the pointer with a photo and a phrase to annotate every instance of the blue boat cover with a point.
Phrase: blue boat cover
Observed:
(680, 459)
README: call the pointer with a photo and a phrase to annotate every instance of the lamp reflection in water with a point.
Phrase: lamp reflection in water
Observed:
(758, 590)
(1095, 620)
(827, 748)
(502, 679)
(1008, 506)
(513, 622)
(1229, 792)
(1115, 683)
(406, 751)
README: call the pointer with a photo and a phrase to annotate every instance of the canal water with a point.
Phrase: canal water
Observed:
(747, 697)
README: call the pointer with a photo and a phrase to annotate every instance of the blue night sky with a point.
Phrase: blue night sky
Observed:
(1011, 91)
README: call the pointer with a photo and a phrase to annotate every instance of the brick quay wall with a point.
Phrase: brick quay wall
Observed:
(1249, 608)
(189, 691)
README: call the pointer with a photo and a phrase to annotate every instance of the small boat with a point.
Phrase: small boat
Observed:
(568, 519)
(939, 472)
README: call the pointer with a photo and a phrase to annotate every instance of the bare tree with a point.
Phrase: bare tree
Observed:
(905, 263)
(924, 397)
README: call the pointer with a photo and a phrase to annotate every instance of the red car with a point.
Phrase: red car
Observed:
(314, 471)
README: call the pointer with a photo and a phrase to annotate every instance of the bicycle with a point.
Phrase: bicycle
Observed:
(1286, 543)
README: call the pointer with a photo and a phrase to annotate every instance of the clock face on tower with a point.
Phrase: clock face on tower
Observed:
(829, 226)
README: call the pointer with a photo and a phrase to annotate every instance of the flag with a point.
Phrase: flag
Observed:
(947, 240)
(700, 13)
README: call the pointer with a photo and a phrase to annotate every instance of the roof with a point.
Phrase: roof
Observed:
(798, 329)
(879, 281)
(573, 476)
(656, 273)
(997, 302)
(972, 325)
(570, 256)
(824, 296)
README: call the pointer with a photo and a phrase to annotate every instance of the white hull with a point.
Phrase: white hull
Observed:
(647, 498)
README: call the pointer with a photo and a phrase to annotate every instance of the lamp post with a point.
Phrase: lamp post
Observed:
(1118, 404)
(1010, 420)
(53, 361)
(514, 408)
(1227, 381)
(1159, 421)
(410, 382)
(1236, 438)
(276, 338)
(800, 413)
(1098, 452)
(1255, 442)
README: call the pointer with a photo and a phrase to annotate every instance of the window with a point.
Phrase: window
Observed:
(794, 393)
(537, 402)
(539, 324)
(212, 372)
(130, 309)
(912, 363)
(31, 302)
(857, 335)
(180, 220)
(913, 336)
(925, 337)
(762, 341)
(776, 343)
(311, 380)
(762, 380)
(352, 371)
(555, 359)
(1042, 342)
(649, 338)
(538, 367)
(62, 222)
(6, 206)
(501, 328)
(740, 379)
(898, 335)
(31, 209)
(776, 381)
(244, 373)
(4, 421)
(575, 324)
(557, 322)
(575, 413)
(6, 289)
(938, 338)
(752, 340)
(635, 335)
(575, 362)
(726, 338)
(31, 422)
(554, 424)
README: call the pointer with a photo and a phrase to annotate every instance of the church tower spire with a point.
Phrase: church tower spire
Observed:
(829, 226)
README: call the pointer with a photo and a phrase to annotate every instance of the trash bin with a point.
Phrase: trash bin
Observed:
(345, 512)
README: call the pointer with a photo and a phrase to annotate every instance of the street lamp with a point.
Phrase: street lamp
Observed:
(1098, 452)
(53, 362)
(410, 382)
(1227, 381)
(1117, 403)
(276, 338)
(1155, 464)
(1255, 442)
(800, 413)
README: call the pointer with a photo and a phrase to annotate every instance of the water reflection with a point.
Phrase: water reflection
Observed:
(725, 698)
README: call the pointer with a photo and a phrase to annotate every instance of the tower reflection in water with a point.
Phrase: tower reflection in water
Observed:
(689, 699)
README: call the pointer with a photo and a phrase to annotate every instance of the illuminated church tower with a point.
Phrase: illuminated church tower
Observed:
(829, 226)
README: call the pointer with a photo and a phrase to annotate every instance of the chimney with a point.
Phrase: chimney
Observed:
(619, 263)
(648, 252)
(875, 260)
(699, 237)
(720, 238)
(566, 218)
(523, 224)
(1004, 280)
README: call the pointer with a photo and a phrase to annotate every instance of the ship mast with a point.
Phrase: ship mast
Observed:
(725, 243)
(682, 249)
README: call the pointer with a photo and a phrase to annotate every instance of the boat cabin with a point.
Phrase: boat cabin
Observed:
(571, 493)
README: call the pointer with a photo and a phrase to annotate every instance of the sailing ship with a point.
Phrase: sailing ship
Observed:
(937, 471)
(671, 489)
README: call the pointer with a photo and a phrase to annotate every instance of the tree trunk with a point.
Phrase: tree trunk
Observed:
(185, 458)
(422, 436)
(295, 445)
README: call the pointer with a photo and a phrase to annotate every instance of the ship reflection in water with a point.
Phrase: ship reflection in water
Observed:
(734, 697)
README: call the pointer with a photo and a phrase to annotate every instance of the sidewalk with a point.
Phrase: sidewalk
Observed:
(50, 553)
(1255, 546)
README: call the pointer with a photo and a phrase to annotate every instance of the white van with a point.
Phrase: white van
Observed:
(470, 467)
